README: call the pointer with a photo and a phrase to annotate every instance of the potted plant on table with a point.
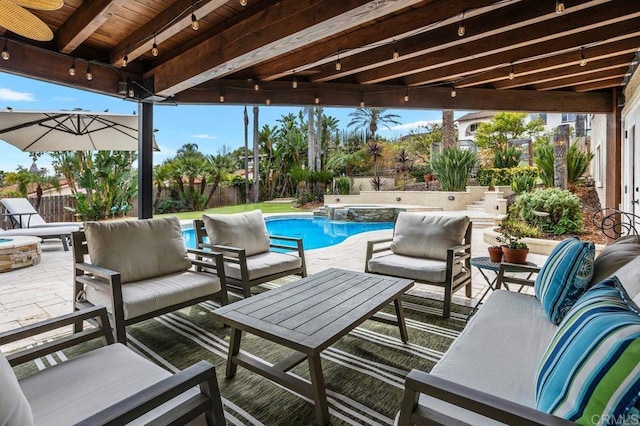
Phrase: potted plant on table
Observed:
(513, 250)
(495, 253)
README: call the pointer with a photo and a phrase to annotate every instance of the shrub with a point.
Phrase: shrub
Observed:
(522, 183)
(552, 210)
(577, 162)
(507, 157)
(419, 170)
(504, 177)
(452, 167)
(343, 185)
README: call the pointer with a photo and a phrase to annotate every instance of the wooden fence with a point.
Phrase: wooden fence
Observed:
(52, 208)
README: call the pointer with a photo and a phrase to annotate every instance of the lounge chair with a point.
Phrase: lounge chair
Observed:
(140, 269)
(247, 247)
(48, 232)
(108, 385)
(432, 250)
(24, 215)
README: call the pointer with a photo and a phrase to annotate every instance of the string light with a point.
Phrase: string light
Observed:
(453, 91)
(362, 103)
(406, 95)
(268, 101)
(461, 29)
(125, 60)
(131, 93)
(89, 73)
(511, 73)
(294, 83)
(72, 68)
(338, 64)
(317, 100)
(396, 54)
(559, 7)
(583, 60)
(221, 99)
(256, 87)
(243, 3)
(5, 51)
(194, 21)
(154, 49)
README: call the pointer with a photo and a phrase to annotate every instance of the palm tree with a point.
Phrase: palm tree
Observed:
(161, 174)
(371, 118)
(220, 166)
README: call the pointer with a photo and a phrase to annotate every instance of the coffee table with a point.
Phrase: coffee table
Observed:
(308, 316)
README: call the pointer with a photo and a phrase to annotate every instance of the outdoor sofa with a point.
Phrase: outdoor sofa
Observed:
(491, 372)
(108, 385)
(140, 269)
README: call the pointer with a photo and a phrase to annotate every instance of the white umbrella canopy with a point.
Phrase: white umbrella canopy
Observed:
(77, 130)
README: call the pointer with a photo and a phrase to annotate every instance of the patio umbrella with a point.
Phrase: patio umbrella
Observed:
(76, 130)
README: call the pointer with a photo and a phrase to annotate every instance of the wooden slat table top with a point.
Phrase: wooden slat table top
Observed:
(313, 313)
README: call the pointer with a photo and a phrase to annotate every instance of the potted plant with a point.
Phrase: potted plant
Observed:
(495, 253)
(513, 250)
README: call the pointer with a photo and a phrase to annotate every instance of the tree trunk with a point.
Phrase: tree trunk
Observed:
(560, 149)
(311, 139)
(256, 159)
(246, 156)
(448, 129)
(319, 139)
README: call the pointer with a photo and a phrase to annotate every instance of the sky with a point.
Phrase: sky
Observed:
(209, 126)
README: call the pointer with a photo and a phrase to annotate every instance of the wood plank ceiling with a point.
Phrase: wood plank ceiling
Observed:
(513, 54)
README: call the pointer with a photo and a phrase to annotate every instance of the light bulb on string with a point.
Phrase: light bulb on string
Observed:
(256, 87)
(72, 68)
(338, 64)
(154, 49)
(221, 99)
(194, 22)
(396, 54)
(512, 74)
(243, 3)
(294, 83)
(268, 101)
(316, 100)
(125, 61)
(583, 60)
(5, 51)
(461, 28)
(559, 7)
(89, 74)
(453, 92)
(406, 95)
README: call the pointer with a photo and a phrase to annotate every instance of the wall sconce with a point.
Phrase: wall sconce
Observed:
(451, 198)
(398, 199)
(497, 207)
(337, 200)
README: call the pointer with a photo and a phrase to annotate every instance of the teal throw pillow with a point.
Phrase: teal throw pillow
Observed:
(564, 277)
(590, 373)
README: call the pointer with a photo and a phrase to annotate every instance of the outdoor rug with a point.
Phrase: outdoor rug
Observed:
(364, 371)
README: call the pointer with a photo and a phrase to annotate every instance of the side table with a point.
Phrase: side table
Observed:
(484, 264)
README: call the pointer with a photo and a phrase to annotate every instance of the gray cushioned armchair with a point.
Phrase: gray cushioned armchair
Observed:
(141, 269)
(428, 249)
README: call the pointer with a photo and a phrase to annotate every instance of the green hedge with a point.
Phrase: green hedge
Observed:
(563, 208)
(504, 177)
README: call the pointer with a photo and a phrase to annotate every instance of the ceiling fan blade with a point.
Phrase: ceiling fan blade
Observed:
(40, 4)
(22, 22)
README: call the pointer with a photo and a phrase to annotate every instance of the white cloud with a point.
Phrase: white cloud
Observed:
(165, 152)
(416, 125)
(12, 95)
(204, 136)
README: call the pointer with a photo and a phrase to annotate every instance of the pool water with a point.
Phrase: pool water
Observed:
(316, 232)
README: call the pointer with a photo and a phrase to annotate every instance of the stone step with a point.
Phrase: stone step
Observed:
(475, 208)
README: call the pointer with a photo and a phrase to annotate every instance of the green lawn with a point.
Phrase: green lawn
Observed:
(265, 207)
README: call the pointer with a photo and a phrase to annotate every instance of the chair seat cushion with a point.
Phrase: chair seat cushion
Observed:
(75, 389)
(241, 230)
(425, 236)
(138, 249)
(14, 408)
(149, 295)
(415, 268)
(264, 264)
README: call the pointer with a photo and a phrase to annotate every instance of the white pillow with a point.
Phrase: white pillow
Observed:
(428, 237)
(241, 230)
(14, 407)
(138, 249)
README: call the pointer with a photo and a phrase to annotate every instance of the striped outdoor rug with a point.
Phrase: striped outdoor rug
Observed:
(364, 371)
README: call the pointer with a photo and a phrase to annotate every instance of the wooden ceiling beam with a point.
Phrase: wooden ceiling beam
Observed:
(562, 83)
(471, 65)
(484, 32)
(84, 22)
(528, 67)
(598, 85)
(570, 70)
(290, 24)
(430, 14)
(280, 93)
(165, 26)
(33, 62)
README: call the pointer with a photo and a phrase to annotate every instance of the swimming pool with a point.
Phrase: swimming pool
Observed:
(316, 232)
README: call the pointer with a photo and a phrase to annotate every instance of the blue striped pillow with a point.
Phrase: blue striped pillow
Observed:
(590, 372)
(564, 277)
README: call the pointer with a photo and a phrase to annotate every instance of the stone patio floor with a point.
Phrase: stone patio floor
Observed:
(43, 291)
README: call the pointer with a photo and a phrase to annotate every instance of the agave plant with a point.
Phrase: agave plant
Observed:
(452, 167)
(577, 163)
(507, 157)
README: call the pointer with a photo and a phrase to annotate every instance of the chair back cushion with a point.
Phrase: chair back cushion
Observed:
(427, 237)
(14, 407)
(241, 230)
(564, 277)
(614, 256)
(590, 371)
(138, 249)
(22, 205)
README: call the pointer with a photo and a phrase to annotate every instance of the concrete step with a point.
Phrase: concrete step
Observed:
(475, 208)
